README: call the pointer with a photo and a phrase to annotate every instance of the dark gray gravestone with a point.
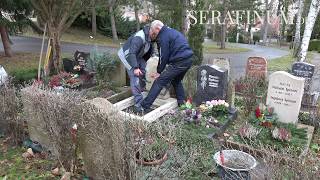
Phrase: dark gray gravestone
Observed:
(305, 70)
(212, 83)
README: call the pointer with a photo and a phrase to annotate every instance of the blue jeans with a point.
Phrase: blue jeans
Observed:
(173, 74)
(137, 83)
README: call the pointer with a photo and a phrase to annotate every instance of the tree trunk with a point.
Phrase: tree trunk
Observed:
(184, 24)
(213, 32)
(265, 24)
(297, 36)
(136, 14)
(5, 41)
(223, 26)
(94, 20)
(113, 24)
(311, 19)
(55, 58)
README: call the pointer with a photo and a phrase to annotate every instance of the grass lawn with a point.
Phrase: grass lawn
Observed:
(285, 62)
(81, 36)
(14, 166)
(213, 48)
(22, 66)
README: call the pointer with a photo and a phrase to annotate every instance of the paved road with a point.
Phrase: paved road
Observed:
(238, 61)
(30, 44)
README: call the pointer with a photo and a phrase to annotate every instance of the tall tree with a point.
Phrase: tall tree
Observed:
(223, 31)
(16, 12)
(196, 35)
(311, 19)
(264, 29)
(297, 37)
(93, 17)
(136, 13)
(184, 16)
(5, 41)
(111, 4)
(58, 15)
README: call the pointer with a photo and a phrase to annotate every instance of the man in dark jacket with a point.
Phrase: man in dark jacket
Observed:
(174, 61)
(134, 54)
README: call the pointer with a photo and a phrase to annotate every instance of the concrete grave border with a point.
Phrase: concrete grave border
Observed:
(165, 106)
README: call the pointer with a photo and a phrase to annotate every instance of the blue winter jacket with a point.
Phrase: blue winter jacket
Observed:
(172, 46)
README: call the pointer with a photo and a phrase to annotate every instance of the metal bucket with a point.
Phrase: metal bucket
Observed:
(237, 164)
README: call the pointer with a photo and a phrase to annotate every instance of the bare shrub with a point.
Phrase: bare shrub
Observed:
(10, 120)
(50, 117)
(105, 141)
(253, 91)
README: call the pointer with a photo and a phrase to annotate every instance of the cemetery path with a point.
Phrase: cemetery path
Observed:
(316, 77)
(30, 44)
(238, 61)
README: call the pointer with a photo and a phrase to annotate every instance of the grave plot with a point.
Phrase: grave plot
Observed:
(255, 79)
(162, 105)
(275, 124)
(210, 113)
(160, 108)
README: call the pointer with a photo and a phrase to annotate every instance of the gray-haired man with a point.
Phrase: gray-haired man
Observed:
(134, 54)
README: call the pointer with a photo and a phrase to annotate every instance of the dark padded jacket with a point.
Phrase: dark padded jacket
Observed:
(138, 46)
(172, 46)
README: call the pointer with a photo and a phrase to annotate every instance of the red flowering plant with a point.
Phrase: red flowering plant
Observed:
(66, 80)
(264, 116)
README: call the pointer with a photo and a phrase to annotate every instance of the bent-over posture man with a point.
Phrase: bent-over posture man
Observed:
(174, 61)
(134, 54)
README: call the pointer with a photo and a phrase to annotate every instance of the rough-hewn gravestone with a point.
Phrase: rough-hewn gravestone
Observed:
(222, 63)
(305, 70)
(151, 68)
(212, 83)
(284, 95)
(256, 67)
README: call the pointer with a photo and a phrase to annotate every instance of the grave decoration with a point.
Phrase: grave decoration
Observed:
(212, 115)
(264, 128)
(65, 80)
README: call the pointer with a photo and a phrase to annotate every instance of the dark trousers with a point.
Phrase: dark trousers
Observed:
(173, 74)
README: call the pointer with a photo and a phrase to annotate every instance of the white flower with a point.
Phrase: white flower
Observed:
(75, 127)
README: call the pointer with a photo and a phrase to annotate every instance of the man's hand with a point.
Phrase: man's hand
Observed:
(155, 75)
(137, 72)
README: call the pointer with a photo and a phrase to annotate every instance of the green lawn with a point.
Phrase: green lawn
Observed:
(14, 166)
(213, 48)
(81, 36)
(23, 66)
(285, 62)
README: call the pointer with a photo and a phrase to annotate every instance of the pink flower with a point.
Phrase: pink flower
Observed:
(214, 102)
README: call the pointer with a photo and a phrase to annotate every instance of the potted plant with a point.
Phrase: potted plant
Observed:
(153, 153)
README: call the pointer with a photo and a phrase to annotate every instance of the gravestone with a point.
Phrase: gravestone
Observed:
(151, 68)
(222, 63)
(212, 83)
(284, 95)
(305, 70)
(256, 67)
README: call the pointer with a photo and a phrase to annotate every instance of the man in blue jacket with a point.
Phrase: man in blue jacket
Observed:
(175, 59)
(134, 54)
